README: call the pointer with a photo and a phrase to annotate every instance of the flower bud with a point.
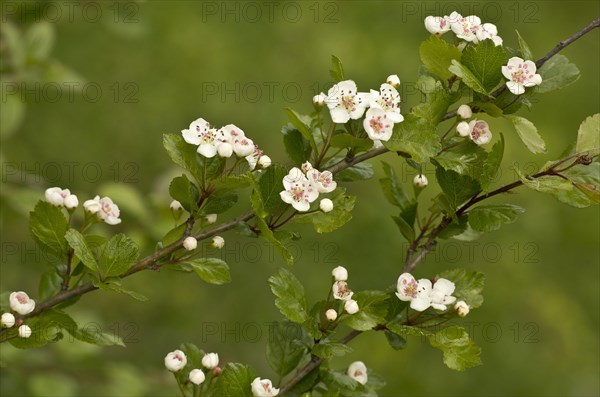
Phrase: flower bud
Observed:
(461, 308)
(210, 360)
(264, 161)
(175, 361)
(216, 371)
(71, 201)
(211, 218)
(326, 205)
(56, 196)
(420, 181)
(196, 376)
(218, 242)
(393, 80)
(175, 206)
(190, 243)
(463, 128)
(319, 100)
(21, 303)
(24, 331)
(263, 388)
(331, 314)
(464, 111)
(358, 371)
(8, 320)
(306, 167)
(225, 150)
(340, 273)
(351, 306)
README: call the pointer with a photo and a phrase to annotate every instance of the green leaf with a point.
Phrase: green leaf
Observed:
(486, 218)
(267, 233)
(358, 172)
(119, 253)
(337, 381)
(588, 136)
(184, 191)
(469, 285)
(337, 70)
(81, 249)
(44, 328)
(289, 293)
(406, 330)
(416, 137)
(489, 108)
(392, 188)
(492, 164)
(396, 341)
(302, 124)
(219, 202)
(327, 350)
(50, 284)
(296, 146)
(174, 234)
(436, 54)
(456, 187)
(528, 134)
(436, 104)
(326, 222)
(211, 270)
(234, 181)
(372, 306)
(485, 61)
(525, 51)
(345, 140)
(466, 158)
(95, 336)
(557, 73)
(268, 188)
(234, 380)
(183, 154)
(458, 350)
(286, 347)
(114, 285)
(48, 225)
(468, 77)
(39, 40)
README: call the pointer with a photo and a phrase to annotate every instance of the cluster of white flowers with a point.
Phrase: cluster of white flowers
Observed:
(341, 291)
(358, 371)
(303, 186)
(104, 209)
(176, 360)
(61, 198)
(345, 103)
(423, 294)
(224, 141)
(477, 130)
(467, 28)
(22, 304)
(520, 74)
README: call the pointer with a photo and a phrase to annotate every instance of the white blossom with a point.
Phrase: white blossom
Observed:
(351, 306)
(234, 136)
(326, 205)
(341, 291)
(464, 111)
(358, 371)
(437, 25)
(489, 31)
(7, 320)
(465, 28)
(345, 103)
(175, 361)
(253, 157)
(388, 99)
(264, 161)
(71, 202)
(420, 181)
(104, 208)
(299, 191)
(319, 100)
(462, 308)
(197, 376)
(322, 180)
(211, 218)
(263, 388)
(520, 74)
(393, 80)
(175, 205)
(190, 243)
(218, 242)
(377, 125)
(307, 166)
(24, 331)
(340, 273)
(61, 197)
(206, 138)
(210, 360)
(417, 292)
(331, 314)
(463, 128)
(21, 303)
(441, 294)
(480, 132)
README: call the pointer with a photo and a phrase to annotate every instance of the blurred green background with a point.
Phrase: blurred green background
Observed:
(141, 69)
